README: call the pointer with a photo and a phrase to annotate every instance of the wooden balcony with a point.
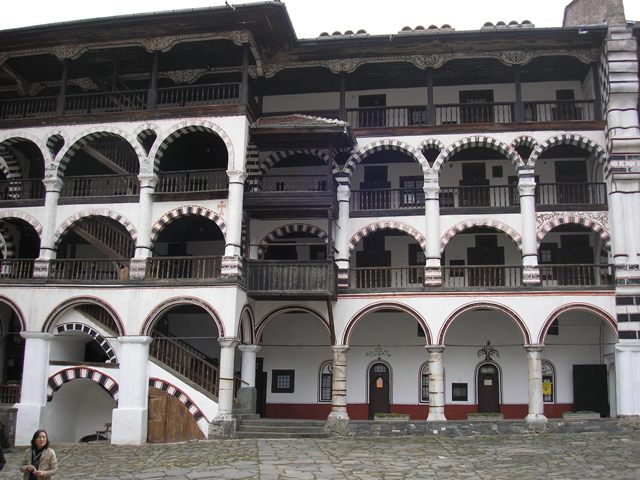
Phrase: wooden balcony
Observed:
(97, 186)
(561, 275)
(16, 270)
(291, 279)
(482, 276)
(191, 181)
(10, 394)
(557, 196)
(192, 268)
(94, 270)
(21, 189)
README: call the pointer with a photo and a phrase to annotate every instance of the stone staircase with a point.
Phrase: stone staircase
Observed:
(281, 428)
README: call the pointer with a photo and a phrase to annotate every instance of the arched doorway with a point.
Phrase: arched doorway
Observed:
(488, 388)
(379, 389)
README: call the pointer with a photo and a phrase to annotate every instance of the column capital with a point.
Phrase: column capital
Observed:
(534, 347)
(434, 348)
(340, 348)
(52, 184)
(148, 180)
(343, 191)
(135, 339)
(236, 176)
(228, 341)
(37, 335)
(250, 348)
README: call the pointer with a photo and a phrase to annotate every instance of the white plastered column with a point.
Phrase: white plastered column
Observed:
(342, 232)
(526, 189)
(53, 186)
(627, 357)
(436, 384)
(33, 395)
(248, 368)
(148, 182)
(617, 224)
(433, 271)
(232, 261)
(129, 421)
(339, 384)
(226, 387)
(534, 369)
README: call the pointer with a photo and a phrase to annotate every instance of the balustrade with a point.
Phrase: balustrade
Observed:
(21, 189)
(18, 269)
(192, 181)
(92, 270)
(571, 193)
(163, 268)
(100, 186)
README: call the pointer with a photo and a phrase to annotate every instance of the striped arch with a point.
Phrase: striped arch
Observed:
(381, 145)
(64, 156)
(569, 139)
(16, 310)
(9, 139)
(9, 214)
(346, 335)
(194, 410)
(246, 326)
(275, 157)
(79, 301)
(485, 306)
(69, 374)
(94, 212)
(578, 219)
(388, 225)
(431, 143)
(480, 222)
(172, 215)
(4, 167)
(158, 310)
(290, 228)
(105, 346)
(289, 308)
(584, 307)
(7, 244)
(525, 141)
(188, 126)
(56, 141)
(144, 130)
(479, 141)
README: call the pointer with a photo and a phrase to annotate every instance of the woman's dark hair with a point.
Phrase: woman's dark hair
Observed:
(35, 437)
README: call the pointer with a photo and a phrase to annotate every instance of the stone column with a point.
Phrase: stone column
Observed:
(526, 189)
(148, 182)
(53, 186)
(342, 232)
(436, 384)
(534, 367)
(617, 225)
(247, 394)
(129, 420)
(226, 385)
(433, 271)
(627, 358)
(338, 419)
(33, 395)
(232, 260)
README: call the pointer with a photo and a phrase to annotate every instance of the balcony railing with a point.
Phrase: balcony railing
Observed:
(482, 276)
(21, 189)
(386, 277)
(9, 394)
(91, 270)
(104, 102)
(387, 199)
(192, 181)
(571, 193)
(479, 196)
(100, 186)
(16, 269)
(559, 111)
(291, 278)
(576, 275)
(294, 183)
(164, 268)
(211, 94)
(28, 107)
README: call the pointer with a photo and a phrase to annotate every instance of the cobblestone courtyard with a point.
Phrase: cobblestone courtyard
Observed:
(594, 455)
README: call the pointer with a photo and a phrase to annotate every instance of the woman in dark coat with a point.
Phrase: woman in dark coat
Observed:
(39, 461)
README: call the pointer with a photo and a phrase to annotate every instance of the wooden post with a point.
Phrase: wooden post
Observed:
(597, 92)
(519, 105)
(343, 96)
(431, 109)
(63, 87)
(152, 97)
(244, 88)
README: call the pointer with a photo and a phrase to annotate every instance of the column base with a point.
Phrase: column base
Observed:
(343, 278)
(137, 268)
(247, 396)
(432, 276)
(28, 420)
(223, 427)
(41, 268)
(436, 417)
(129, 426)
(338, 423)
(231, 266)
(531, 275)
(536, 418)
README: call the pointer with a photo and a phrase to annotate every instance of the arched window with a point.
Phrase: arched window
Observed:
(325, 381)
(548, 382)
(424, 383)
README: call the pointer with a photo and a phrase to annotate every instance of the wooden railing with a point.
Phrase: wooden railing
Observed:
(456, 113)
(163, 268)
(571, 193)
(192, 181)
(100, 315)
(97, 229)
(387, 199)
(21, 189)
(295, 183)
(559, 111)
(479, 196)
(92, 270)
(386, 277)
(100, 186)
(104, 102)
(576, 275)
(291, 278)
(211, 94)
(480, 276)
(184, 361)
(28, 107)
(19, 269)
(9, 394)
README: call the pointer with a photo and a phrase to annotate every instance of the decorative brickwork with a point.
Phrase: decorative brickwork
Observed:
(479, 141)
(275, 157)
(480, 222)
(168, 304)
(387, 225)
(568, 139)
(596, 221)
(68, 375)
(94, 212)
(79, 301)
(194, 410)
(382, 145)
(182, 211)
(105, 346)
(288, 229)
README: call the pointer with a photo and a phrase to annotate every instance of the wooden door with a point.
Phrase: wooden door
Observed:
(378, 389)
(488, 389)
(169, 420)
(590, 389)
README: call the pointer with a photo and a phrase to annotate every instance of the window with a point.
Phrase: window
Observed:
(412, 192)
(459, 392)
(424, 383)
(282, 381)
(548, 382)
(326, 380)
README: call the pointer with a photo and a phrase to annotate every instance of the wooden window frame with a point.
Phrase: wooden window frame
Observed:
(275, 374)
